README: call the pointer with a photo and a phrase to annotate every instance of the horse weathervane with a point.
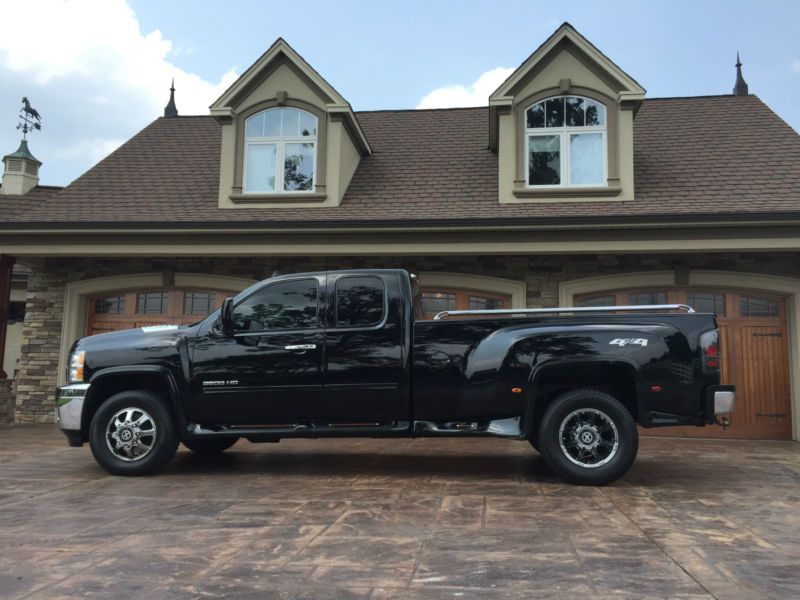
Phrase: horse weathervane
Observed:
(30, 118)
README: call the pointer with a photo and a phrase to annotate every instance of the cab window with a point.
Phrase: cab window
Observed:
(284, 305)
(359, 301)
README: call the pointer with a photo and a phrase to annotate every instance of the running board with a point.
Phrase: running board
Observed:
(499, 427)
(305, 429)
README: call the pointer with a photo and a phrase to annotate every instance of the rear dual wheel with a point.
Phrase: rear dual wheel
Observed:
(588, 437)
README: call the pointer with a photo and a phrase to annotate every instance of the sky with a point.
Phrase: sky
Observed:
(99, 71)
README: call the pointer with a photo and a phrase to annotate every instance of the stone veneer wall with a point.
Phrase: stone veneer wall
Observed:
(6, 402)
(541, 273)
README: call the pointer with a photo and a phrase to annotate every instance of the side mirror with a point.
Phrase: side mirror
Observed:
(226, 315)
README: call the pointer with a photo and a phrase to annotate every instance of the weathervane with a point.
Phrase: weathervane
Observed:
(30, 118)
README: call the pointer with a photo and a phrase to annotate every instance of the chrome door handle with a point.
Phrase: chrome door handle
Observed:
(300, 347)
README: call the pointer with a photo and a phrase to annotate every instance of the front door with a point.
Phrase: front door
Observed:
(269, 371)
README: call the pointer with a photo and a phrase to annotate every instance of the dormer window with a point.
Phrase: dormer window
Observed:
(280, 151)
(566, 142)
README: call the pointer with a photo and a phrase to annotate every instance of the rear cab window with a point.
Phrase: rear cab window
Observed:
(360, 302)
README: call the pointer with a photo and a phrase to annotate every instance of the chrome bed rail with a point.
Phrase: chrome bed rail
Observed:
(566, 309)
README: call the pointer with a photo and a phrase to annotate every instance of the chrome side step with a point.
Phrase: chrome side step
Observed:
(499, 427)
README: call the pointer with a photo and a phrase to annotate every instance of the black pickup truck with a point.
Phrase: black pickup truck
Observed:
(342, 354)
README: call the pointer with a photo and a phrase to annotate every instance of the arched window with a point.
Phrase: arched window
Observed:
(280, 146)
(566, 142)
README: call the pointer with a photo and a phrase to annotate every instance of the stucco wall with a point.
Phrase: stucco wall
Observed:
(541, 274)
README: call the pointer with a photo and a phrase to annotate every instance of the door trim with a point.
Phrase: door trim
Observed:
(734, 280)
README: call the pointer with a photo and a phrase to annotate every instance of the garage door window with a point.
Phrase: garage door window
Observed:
(753, 306)
(152, 303)
(597, 301)
(708, 302)
(198, 303)
(647, 298)
(112, 305)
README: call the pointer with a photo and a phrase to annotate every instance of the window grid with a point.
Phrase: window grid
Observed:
(198, 303)
(280, 143)
(753, 306)
(152, 303)
(593, 301)
(112, 305)
(546, 120)
(707, 302)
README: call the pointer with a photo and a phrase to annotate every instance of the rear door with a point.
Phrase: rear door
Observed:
(366, 379)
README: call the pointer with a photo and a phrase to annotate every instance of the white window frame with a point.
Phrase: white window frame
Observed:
(563, 133)
(280, 152)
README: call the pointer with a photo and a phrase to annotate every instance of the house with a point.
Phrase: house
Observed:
(569, 188)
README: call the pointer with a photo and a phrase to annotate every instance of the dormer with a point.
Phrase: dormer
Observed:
(288, 137)
(562, 125)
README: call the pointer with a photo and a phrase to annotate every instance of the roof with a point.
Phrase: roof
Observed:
(695, 158)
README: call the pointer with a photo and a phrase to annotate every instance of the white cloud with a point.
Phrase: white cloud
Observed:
(795, 66)
(476, 94)
(95, 77)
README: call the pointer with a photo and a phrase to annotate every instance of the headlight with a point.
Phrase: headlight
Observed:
(76, 366)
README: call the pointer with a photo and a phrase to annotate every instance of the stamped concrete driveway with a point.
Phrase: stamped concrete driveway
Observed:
(423, 519)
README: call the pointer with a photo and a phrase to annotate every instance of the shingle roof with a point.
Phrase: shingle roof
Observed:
(707, 156)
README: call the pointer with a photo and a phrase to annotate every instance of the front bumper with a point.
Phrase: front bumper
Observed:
(69, 406)
(720, 400)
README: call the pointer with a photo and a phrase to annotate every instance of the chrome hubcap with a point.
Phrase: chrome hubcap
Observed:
(131, 434)
(588, 437)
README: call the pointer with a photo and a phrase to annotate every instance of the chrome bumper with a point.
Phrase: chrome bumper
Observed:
(69, 405)
(724, 401)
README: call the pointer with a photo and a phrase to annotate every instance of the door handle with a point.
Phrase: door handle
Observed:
(300, 347)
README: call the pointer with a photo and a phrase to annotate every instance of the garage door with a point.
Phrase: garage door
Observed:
(755, 354)
(140, 308)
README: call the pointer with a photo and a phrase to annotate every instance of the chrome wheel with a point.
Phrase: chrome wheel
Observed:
(131, 434)
(588, 437)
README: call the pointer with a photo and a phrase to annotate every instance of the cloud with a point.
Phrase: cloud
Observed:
(95, 77)
(795, 66)
(476, 94)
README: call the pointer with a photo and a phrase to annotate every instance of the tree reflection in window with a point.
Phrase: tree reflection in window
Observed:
(285, 305)
(359, 301)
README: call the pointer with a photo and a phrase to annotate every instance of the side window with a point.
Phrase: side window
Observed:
(285, 305)
(359, 301)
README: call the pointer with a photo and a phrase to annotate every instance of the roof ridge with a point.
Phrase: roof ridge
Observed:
(699, 96)
(418, 110)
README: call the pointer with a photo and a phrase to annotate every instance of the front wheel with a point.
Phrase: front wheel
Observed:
(133, 433)
(588, 437)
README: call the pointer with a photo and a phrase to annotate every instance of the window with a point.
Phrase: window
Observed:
(713, 302)
(647, 298)
(359, 301)
(597, 301)
(481, 303)
(566, 142)
(434, 302)
(113, 305)
(280, 151)
(198, 303)
(152, 303)
(285, 305)
(753, 306)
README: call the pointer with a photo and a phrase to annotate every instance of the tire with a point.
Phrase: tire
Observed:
(210, 446)
(133, 433)
(588, 437)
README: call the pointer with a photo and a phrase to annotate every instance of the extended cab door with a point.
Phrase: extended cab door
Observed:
(367, 345)
(270, 369)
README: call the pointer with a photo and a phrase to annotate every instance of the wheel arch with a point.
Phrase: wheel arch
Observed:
(617, 376)
(107, 382)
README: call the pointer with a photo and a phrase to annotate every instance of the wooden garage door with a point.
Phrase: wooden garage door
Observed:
(140, 308)
(755, 355)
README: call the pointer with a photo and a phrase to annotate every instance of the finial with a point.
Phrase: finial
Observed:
(170, 110)
(740, 88)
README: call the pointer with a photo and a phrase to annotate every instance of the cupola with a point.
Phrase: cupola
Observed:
(20, 171)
